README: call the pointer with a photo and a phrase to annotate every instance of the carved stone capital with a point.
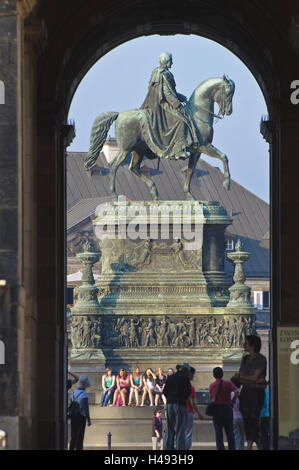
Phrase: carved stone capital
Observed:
(26, 7)
(35, 36)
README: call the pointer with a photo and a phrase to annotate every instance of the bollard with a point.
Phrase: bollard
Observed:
(109, 440)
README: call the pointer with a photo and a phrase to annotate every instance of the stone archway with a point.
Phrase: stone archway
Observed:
(63, 41)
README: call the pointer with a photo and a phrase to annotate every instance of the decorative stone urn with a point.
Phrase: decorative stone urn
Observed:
(86, 321)
(239, 293)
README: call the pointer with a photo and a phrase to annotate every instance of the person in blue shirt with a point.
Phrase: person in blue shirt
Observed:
(78, 422)
(265, 423)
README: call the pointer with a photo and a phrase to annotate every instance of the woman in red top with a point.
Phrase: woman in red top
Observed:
(220, 393)
(122, 387)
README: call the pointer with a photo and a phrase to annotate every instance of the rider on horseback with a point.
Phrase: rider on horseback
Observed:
(164, 128)
(168, 131)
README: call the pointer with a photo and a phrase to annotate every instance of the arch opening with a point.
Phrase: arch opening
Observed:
(179, 88)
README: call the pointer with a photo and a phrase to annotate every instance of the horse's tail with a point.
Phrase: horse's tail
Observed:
(98, 136)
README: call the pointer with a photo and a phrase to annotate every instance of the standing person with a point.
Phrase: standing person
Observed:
(265, 423)
(122, 387)
(149, 385)
(220, 393)
(252, 375)
(78, 422)
(239, 430)
(136, 385)
(191, 408)
(177, 389)
(157, 430)
(159, 386)
(108, 386)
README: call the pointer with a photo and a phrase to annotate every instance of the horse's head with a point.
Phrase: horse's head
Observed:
(224, 96)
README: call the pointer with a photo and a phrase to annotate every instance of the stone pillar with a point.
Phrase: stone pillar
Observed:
(86, 322)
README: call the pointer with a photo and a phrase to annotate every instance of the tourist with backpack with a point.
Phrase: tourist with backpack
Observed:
(79, 413)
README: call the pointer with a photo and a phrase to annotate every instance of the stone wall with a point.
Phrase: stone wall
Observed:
(9, 222)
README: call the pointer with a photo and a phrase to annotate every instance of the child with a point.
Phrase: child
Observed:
(157, 430)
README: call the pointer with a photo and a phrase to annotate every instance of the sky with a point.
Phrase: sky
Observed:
(119, 82)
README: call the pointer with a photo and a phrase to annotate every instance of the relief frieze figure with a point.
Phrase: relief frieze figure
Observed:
(85, 333)
(204, 331)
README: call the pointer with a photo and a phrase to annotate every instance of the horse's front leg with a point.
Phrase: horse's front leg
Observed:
(212, 151)
(190, 170)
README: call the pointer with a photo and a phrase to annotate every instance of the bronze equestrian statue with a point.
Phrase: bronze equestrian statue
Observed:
(164, 128)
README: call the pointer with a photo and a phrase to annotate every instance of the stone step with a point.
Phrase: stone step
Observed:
(128, 412)
(131, 427)
(94, 397)
(139, 430)
(138, 446)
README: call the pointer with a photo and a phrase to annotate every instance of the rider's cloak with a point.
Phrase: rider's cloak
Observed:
(167, 132)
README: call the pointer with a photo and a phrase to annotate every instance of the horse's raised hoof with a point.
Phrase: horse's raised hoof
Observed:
(226, 184)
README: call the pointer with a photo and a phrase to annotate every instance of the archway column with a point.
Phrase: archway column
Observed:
(289, 194)
(50, 279)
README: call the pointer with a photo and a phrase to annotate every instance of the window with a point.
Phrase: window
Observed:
(261, 299)
(266, 299)
(229, 245)
(70, 296)
(258, 299)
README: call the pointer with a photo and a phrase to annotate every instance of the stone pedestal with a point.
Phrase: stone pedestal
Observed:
(161, 299)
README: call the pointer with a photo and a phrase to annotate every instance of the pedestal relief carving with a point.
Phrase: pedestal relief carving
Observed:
(164, 332)
(148, 256)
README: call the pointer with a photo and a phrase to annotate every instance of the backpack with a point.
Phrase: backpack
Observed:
(74, 408)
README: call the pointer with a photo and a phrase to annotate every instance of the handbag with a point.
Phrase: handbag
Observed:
(211, 409)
